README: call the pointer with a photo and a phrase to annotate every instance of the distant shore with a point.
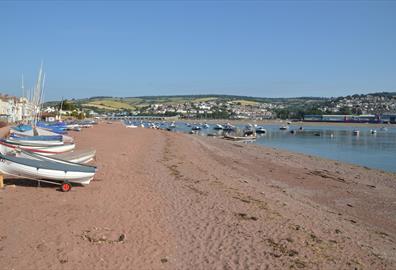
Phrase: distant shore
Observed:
(284, 122)
(166, 200)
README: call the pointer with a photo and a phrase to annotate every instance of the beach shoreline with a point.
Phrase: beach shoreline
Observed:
(165, 200)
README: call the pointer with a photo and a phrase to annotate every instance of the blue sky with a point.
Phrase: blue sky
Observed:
(255, 48)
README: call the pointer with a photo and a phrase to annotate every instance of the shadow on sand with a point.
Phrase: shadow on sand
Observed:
(32, 183)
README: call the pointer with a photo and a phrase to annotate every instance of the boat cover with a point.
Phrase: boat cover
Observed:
(49, 165)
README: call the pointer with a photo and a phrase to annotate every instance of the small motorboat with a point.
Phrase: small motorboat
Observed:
(261, 130)
(284, 128)
(248, 132)
(218, 127)
(356, 132)
(240, 138)
(373, 131)
(131, 126)
(229, 127)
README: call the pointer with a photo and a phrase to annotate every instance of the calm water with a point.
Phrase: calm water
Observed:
(371, 150)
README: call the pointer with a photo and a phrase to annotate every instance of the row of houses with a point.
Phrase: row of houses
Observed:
(366, 118)
(15, 109)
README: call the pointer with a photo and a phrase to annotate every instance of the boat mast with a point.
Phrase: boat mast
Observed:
(41, 97)
(23, 87)
(37, 93)
(60, 109)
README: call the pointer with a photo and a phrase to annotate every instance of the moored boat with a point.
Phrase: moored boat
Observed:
(239, 138)
(260, 130)
(284, 128)
(228, 127)
(218, 127)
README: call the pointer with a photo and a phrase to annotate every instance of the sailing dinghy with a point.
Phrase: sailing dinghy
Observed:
(41, 149)
(76, 156)
(33, 142)
(39, 132)
(50, 171)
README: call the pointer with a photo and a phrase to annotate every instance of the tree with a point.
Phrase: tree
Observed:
(282, 113)
(66, 106)
(220, 114)
(356, 110)
(345, 110)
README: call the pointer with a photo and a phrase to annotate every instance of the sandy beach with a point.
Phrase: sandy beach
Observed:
(164, 200)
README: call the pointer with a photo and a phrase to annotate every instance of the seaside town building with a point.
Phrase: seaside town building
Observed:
(15, 109)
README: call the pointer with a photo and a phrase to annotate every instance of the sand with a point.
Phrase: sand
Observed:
(164, 200)
(4, 131)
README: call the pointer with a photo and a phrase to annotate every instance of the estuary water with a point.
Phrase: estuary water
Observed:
(338, 143)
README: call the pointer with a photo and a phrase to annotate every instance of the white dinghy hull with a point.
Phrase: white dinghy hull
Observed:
(42, 150)
(46, 170)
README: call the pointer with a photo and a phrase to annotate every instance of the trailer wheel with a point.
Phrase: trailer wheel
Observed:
(66, 187)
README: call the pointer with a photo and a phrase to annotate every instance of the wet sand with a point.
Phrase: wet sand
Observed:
(164, 200)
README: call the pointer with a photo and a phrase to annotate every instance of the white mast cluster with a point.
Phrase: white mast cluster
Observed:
(37, 94)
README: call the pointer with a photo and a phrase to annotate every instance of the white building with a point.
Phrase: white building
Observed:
(14, 109)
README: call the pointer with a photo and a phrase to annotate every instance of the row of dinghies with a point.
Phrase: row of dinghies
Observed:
(45, 154)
